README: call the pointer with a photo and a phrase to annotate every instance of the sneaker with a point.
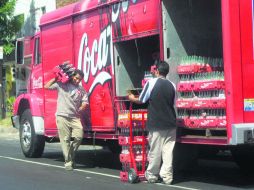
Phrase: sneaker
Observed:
(68, 168)
(167, 182)
(151, 178)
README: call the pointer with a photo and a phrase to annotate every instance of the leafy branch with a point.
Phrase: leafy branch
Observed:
(9, 24)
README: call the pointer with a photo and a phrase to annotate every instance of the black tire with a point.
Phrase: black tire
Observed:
(132, 176)
(32, 145)
(244, 157)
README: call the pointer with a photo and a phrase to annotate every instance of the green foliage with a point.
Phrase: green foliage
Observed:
(9, 24)
(10, 101)
(8, 48)
(7, 121)
(9, 79)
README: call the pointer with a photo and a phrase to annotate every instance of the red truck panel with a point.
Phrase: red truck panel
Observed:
(246, 17)
(141, 18)
(56, 46)
(232, 62)
(28, 41)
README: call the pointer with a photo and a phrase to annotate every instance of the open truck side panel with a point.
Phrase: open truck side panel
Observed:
(221, 29)
(193, 29)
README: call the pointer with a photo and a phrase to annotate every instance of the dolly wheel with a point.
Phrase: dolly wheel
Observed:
(132, 176)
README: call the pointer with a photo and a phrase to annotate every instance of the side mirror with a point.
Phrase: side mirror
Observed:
(19, 52)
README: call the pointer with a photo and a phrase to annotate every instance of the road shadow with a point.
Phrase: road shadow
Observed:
(218, 170)
(99, 157)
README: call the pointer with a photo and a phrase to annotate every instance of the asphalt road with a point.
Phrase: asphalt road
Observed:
(98, 169)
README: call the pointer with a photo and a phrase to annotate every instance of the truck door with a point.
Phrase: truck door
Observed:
(36, 74)
(247, 42)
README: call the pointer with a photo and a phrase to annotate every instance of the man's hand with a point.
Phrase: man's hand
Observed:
(134, 99)
(82, 107)
(131, 96)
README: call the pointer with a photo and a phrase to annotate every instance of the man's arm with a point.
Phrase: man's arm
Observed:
(134, 99)
(84, 102)
(49, 83)
(82, 107)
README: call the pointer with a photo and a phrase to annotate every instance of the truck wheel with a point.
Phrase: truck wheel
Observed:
(32, 145)
(244, 156)
(132, 176)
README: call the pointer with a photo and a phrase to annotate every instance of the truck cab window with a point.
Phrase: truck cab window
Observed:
(37, 52)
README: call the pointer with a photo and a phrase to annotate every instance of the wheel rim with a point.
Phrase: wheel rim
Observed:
(26, 134)
(132, 176)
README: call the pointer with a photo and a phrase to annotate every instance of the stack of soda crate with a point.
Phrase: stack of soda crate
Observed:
(201, 102)
(64, 72)
(133, 139)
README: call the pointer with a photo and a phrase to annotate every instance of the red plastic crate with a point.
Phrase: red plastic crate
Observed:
(182, 121)
(222, 122)
(193, 68)
(208, 123)
(200, 85)
(201, 103)
(192, 123)
(184, 103)
(183, 86)
(124, 176)
(124, 119)
(127, 158)
(197, 103)
(205, 123)
(122, 140)
(210, 85)
(187, 69)
(123, 123)
(218, 103)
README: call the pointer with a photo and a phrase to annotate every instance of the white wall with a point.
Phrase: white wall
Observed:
(32, 10)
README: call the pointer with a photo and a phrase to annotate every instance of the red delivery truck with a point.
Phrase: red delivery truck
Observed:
(208, 45)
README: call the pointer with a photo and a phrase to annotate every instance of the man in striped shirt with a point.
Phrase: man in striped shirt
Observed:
(161, 124)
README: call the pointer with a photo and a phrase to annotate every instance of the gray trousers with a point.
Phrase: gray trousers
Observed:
(160, 155)
(67, 128)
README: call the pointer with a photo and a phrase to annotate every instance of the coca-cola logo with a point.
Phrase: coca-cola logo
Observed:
(117, 7)
(93, 60)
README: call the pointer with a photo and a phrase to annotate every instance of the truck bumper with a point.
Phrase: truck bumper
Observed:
(38, 123)
(242, 133)
(15, 121)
